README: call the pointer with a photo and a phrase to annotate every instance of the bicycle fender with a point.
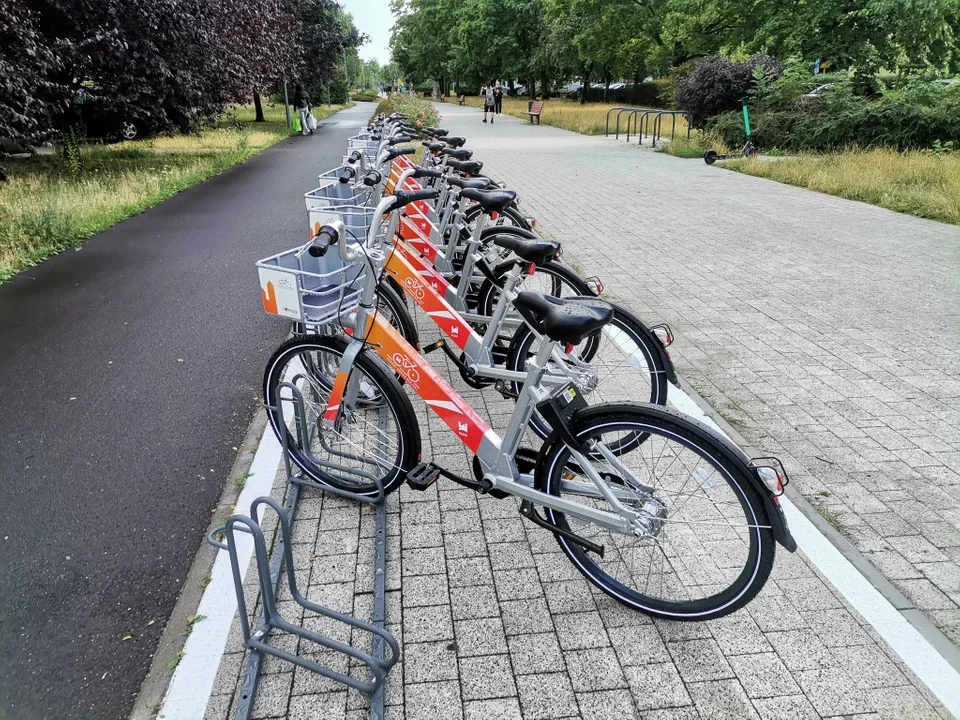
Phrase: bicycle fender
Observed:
(730, 451)
(489, 232)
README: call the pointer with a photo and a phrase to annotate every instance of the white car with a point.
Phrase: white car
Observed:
(817, 92)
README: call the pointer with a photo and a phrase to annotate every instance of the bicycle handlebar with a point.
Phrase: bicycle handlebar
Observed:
(396, 152)
(405, 197)
(347, 174)
(354, 157)
(399, 139)
(420, 172)
(328, 235)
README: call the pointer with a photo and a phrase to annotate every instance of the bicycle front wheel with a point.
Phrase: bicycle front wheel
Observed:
(703, 546)
(376, 439)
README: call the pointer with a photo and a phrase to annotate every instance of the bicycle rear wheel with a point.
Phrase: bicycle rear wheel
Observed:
(704, 547)
(375, 441)
(626, 356)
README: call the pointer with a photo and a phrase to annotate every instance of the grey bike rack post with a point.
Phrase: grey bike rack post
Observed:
(269, 573)
(673, 130)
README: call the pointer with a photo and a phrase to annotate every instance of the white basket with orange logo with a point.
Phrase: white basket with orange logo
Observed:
(317, 290)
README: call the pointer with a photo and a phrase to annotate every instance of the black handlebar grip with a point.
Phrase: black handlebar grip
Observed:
(324, 239)
(354, 157)
(404, 197)
(427, 172)
(372, 178)
(347, 174)
(399, 139)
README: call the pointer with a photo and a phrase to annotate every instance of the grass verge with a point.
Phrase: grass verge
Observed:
(588, 119)
(924, 184)
(48, 207)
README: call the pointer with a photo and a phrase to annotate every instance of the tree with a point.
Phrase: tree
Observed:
(325, 32)
(30, 98)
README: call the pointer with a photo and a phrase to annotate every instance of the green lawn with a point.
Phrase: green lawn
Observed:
(47, 207)
(925, 184)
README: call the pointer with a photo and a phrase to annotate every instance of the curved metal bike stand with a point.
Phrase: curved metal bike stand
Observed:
(269, 569)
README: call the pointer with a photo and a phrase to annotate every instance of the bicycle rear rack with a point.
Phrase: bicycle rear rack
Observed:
(269, 574)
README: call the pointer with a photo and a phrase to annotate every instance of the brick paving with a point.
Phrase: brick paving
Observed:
(825, 331)
(492, 619)
(494, 623)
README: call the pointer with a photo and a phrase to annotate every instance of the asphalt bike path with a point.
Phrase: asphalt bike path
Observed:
(129, 372)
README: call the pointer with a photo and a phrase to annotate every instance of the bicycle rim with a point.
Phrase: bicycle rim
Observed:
(367, 446)
(704, 548)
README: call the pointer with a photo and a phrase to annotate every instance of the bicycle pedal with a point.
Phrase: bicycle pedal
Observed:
(423, 476)
(431, 347)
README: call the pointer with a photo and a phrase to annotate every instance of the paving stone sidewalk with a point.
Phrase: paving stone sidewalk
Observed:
(826, 331)
(789, 320)
(495, 623)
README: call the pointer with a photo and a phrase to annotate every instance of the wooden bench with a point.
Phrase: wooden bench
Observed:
(535, 111)
(461, 98)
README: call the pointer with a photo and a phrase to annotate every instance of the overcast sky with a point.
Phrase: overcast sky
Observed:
(373, 18)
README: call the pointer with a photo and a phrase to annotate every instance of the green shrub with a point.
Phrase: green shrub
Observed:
(656, 94)
(916, 117)
(419, 111)
(717, 84)
(364, 97)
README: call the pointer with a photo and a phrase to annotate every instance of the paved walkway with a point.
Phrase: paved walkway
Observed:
(826, 331)
(129, 372)
(495, 623)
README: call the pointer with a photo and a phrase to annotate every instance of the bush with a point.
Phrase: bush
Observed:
(717, 85)
(919, 116)
(364, 97)
(419, 112)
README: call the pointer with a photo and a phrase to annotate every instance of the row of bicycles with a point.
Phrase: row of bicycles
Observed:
(655, 509)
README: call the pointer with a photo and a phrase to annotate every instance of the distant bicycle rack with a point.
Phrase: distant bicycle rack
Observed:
(271, 569)
(646, 122)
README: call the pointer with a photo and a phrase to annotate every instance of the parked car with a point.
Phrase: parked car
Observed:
(817, 92)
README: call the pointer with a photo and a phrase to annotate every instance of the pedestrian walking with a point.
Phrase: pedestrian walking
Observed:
(498, 97)
(489, 103)
(302, 103)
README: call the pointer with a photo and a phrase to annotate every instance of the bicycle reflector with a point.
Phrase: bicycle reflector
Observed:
(665, 334)
(593, 282)
(771, 471)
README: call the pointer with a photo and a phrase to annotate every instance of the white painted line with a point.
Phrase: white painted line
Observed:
(192, 682)
(904, 639)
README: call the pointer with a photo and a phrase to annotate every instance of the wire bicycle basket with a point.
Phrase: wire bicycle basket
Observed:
(333, 193)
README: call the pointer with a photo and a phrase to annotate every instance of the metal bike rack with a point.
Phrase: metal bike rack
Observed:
(640, 120)
(269, 574)
(673, 130)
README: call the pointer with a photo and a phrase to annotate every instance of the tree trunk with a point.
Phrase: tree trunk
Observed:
(259, 107)
(636, 85)
(532, 88)
(511, 87)
(585, 84)
(606, 86)
(544, 87)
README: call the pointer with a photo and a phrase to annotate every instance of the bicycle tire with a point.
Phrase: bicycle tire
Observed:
(511, 213)
(408, 447)
(635, 333)
(560, 276)
(731, 467)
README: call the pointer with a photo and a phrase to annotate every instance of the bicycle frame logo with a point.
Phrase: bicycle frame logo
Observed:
(414, 287)
(406, 368)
